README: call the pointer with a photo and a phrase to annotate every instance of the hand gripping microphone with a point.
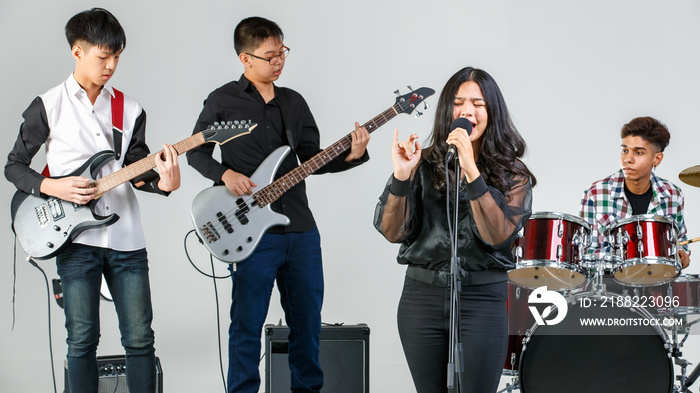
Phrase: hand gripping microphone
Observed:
(459, 122)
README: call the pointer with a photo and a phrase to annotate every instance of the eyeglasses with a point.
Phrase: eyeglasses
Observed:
(283, 55)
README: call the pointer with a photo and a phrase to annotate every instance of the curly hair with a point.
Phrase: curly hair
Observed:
(649, 129)
(502, 147)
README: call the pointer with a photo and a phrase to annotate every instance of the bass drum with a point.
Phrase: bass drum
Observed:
(566, 357)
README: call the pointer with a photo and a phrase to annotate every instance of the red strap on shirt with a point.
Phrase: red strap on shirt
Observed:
(118, 109)
(117, 119)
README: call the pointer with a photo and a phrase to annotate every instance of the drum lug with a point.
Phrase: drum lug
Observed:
(640, 248)
(518, 253)
(560, 252)
(560, 230)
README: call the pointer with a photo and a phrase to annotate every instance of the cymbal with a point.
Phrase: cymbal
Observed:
(691, 176)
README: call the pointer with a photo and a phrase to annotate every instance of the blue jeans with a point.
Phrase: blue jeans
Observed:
(81, 268)
(294, 260)
(423, 319)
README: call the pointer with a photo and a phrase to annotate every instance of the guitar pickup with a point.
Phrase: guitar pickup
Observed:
(210, 233)
(222, 219)
(56, 209)
(243, 209)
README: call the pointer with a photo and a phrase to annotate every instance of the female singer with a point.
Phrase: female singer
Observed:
(494, 202)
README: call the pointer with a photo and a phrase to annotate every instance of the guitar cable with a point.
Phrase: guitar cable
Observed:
(48, 297)
(214, 277)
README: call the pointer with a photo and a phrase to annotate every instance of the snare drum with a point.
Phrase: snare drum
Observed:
(568, 358)
(644, 250)
(550, 252)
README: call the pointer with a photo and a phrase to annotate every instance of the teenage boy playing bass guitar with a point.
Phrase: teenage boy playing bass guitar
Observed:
(290, 254)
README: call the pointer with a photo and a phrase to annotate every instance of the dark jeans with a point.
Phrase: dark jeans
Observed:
(81, 269)
(294, 260)
(423, 319)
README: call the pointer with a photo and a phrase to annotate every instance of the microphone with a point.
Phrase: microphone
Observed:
(459, 122)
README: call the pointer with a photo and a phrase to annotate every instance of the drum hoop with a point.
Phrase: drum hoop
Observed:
(643, 217)
(687, 278)
(561, 216)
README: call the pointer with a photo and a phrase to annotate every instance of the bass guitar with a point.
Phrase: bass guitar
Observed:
(231, 227)
(45, 226)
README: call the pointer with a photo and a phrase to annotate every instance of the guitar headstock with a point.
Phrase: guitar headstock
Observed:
(408, 102)
(225, 131)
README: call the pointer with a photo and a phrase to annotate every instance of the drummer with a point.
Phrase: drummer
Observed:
(635, 189)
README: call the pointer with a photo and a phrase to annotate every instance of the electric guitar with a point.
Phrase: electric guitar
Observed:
(231, 227)
(45, 226)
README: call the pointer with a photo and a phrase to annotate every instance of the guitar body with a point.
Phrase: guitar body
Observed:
(231, 227)
(45, 226)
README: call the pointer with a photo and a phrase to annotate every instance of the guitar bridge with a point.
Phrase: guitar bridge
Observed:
(210, 233)
(42, 214)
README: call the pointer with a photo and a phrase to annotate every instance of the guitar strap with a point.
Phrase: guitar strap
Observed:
(117, 124)
(117, 121)
(284, 109)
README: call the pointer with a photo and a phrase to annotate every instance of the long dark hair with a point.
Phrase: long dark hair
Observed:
(502, 145)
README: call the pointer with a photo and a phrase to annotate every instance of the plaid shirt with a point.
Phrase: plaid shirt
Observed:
(605, 201)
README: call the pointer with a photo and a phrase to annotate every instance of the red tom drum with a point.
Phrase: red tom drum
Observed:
(550, 252)
(644, 250)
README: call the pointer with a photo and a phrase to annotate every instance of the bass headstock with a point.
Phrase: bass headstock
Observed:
(408, 102)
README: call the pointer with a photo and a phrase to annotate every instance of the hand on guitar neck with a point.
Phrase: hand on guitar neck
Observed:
(360, 139)
(168, 169)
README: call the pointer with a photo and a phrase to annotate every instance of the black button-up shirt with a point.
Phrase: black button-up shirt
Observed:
(240, 100)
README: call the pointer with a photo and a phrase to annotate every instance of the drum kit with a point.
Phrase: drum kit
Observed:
(628, 313)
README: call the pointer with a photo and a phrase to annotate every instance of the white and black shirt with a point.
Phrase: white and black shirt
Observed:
(72, 130)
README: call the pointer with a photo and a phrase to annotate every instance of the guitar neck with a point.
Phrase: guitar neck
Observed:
(274, 190)
(143, 165)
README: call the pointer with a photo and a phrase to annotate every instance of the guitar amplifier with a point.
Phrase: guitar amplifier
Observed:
(344, 358)
(111, 371)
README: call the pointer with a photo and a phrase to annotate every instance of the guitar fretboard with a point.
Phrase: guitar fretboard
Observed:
(274, 190)
(143, 165)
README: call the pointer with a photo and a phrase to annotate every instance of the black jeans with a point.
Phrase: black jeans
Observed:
(423, 319)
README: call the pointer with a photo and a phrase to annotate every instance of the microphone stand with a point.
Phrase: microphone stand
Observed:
(455, 367)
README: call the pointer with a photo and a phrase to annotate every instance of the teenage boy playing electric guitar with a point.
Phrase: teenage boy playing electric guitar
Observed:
(74, 121)
(289, 254)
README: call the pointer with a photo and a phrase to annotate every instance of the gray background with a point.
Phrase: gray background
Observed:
(572, 74)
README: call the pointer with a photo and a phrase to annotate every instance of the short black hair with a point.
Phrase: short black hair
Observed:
(649, 129)
(96, 26)
(253, 31)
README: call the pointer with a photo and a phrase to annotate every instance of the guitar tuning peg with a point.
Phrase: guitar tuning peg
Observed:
(410, 88)
(216, 123)
(397, 92)
(235, 122)
(425, 105)
(418, 114)
(229, 122)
